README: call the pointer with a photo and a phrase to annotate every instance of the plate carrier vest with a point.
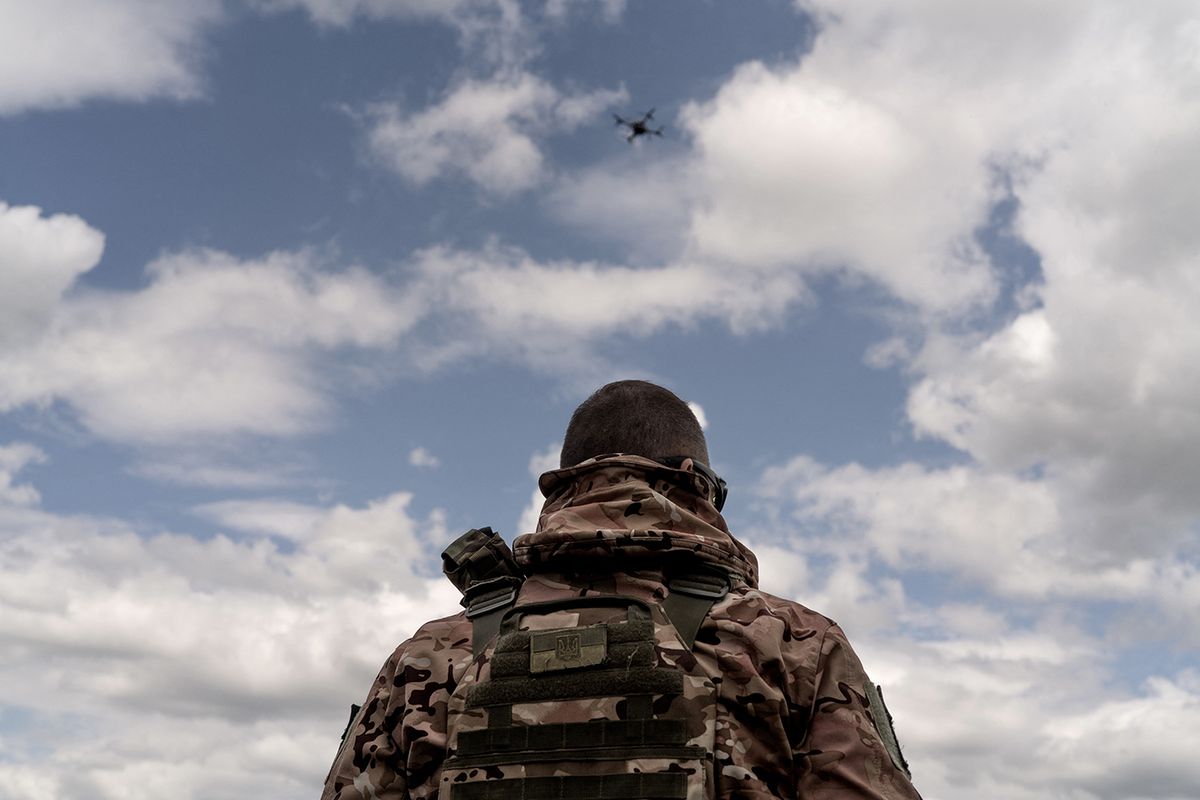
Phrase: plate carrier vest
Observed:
(599, 699)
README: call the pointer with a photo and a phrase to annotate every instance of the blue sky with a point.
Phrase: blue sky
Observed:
(293, 291)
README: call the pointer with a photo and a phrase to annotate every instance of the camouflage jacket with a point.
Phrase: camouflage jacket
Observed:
(795, 711)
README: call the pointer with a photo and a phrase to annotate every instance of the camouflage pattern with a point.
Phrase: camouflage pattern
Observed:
(791, 718)
(696, 706)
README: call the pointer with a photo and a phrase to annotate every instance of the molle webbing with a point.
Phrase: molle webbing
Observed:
(574, 736)
(599, 683)
(629, 644)
(613, 660)
(620, 632)
(635, 654)
(634, 786)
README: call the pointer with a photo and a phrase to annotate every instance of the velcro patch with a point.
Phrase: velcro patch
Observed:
(883, 724)
(567, 648)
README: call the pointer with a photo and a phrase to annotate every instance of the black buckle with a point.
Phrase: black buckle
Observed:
(491, 603)
(708, 587)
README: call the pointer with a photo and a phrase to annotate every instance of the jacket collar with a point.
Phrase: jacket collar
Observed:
(618, 511)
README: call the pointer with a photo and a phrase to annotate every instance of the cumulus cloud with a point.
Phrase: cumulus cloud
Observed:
(642, 200)
(902, 120)
(1068, 525)
(40, 258)
(882, 154)
(1098, 390)
(539, 462)
(484, 129)
(548, 313)
(211, 345)
(982, 527)
(836, 180)
(59, 53)
(162, 644)
(1002, 671)
(214, 345)
(1010, 536)
(1079, 738)
(140, 756)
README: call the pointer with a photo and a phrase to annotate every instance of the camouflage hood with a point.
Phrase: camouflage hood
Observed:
(629, 510)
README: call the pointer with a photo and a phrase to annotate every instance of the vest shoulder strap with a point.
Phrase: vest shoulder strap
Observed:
(482, 566)
(691, 597)
(486, 604)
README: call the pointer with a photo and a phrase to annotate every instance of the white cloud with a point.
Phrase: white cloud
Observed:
(212, 345)
(331, 557)
(1037, 705)
(971, 524)
(698, 411)
(289, 520)
(486, 130)
(217, 640)
(884, 150)
(420, 457)
(1035, 709)
(881, 150)
(142, 756)
(539, 462)
(488, 293)
(1157, 732)
(59, 53)
(40, 258)
(1075, 738)
(642, 199)
(995, 530)
(1098, 389)
(800, 171)
(782, 571)
(216, 346)
(881, 155)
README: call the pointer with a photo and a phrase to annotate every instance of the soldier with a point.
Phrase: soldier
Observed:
(729, 692)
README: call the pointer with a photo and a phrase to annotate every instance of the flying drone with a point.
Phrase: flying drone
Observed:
(638, 127)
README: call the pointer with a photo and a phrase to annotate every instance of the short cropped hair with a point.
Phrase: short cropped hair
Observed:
(636, 418)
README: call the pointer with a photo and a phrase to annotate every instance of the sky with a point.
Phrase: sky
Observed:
(292, 292)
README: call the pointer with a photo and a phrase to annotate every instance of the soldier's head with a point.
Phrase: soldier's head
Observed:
(636, 418)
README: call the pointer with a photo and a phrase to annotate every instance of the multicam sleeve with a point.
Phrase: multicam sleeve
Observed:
(850, 750)
(369, 763)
